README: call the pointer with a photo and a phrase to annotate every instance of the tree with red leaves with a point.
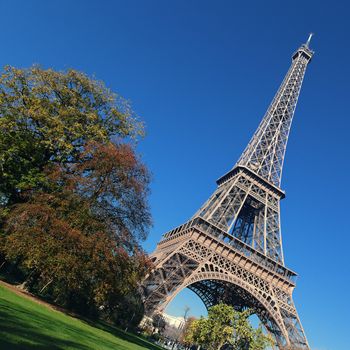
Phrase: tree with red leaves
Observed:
(73, 192)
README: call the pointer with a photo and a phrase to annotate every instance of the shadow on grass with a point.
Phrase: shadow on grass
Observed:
(23, 328)
(18, 334)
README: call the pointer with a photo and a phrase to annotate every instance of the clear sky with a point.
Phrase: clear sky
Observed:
(201, 75)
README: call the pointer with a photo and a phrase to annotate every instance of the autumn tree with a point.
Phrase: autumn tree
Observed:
(185, 334)
(73, 192)
(48, 117)
(225, 325)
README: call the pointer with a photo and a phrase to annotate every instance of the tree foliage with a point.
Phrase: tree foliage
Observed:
(48, 117)
(73, 193)
(186, 335)
(225, 325)
(159, 322)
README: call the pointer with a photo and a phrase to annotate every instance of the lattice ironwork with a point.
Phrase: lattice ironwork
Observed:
(231, 249)
(265, 152)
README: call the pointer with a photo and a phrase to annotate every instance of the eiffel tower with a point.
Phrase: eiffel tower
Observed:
(231, 250)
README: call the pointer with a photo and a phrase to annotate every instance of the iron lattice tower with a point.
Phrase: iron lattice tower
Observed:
(231, 249)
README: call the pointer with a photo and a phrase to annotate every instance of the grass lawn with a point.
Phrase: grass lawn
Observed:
(25, 324)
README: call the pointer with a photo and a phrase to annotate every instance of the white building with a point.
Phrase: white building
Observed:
(177, 322)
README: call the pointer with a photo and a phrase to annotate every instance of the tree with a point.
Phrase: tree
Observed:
(224, 325)
(73, 192)
(67, 255)
(49, 117)
(185, 334)
(68, 123)
(245, 336)
(159, 322)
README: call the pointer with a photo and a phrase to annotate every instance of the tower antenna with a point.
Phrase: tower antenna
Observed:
(309, 39)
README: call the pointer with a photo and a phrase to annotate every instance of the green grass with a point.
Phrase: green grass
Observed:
(25, 324)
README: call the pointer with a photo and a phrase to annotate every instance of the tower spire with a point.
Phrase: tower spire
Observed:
(309, 39)
(265, 152)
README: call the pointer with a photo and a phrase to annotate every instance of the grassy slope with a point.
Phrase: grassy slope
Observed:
(25, 324)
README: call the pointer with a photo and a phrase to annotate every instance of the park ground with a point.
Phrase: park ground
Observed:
(28, 323)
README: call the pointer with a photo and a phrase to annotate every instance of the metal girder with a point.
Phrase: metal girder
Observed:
(265, 151)
(218, 271)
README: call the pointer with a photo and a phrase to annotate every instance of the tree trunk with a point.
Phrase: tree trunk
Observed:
(46, 285)
(23, 285)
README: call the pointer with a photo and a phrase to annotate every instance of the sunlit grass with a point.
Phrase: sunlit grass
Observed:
(25, 324)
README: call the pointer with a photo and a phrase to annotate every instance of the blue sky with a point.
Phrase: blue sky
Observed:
(201, 75)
